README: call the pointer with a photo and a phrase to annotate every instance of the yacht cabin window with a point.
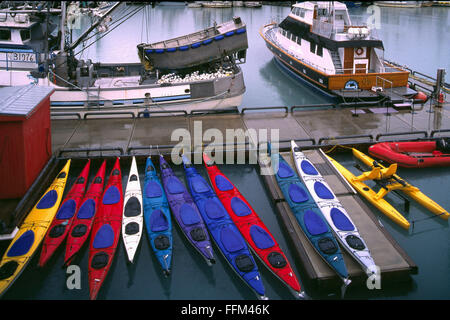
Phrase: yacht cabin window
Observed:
(5, 34)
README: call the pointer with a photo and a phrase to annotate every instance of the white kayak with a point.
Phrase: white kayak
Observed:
(133, 220)
(333, 211)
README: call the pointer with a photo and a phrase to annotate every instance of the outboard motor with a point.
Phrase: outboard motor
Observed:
(84, 73)
(443, 145)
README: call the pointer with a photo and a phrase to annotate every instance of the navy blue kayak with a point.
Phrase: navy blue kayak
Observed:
(224, 232)
(186, 212)
(309, 217)
(157, 217)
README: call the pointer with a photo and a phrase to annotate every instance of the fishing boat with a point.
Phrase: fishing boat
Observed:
(82, 85)
(318, 44)
(105, 231)
(399, 4)
(157, 217)
(84, 218)
(133, 219)
(62, 222)
(252, 228)
(414, 154)
(388, 181)
(223, 231)
(32, 231)
(186, 212)
(217, 4)
(309, 218)
(338, 219)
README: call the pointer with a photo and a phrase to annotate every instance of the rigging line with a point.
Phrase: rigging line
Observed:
(114, 22)
(106, 33)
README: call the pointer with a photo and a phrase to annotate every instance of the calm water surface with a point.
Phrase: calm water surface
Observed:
(418, 38)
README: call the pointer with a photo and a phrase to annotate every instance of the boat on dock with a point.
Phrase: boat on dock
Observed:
(388, 181)
(414, 154)
(309, 217)
(318, 44)
(338, 218)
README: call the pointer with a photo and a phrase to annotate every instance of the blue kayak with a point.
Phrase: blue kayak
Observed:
(309, 217)
(224, 232)
(157, 217)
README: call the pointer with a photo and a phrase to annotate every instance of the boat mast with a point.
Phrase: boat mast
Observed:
(63, 25)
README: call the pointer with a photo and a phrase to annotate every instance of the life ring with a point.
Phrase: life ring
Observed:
(359, 51)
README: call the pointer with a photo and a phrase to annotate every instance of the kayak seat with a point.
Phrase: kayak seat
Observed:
(153, 189)
(87, 210)
(62, 175)
(174, 186)
(158, 221)
(198, 234)
(223, 184)
(161, 242)
(231, 240)
(239, 207)
(199, 185)
(133, 177)
(327, 245)
(132, 228)
(188, 215)
(98, 180)
(261, 238)
(115, 172)
(67, 210)
(111, 196)
(308, 168)
(244, 263)
(284, 170)
(80, 180)
(322, 191)
(340, 220)
(314, 223)
(355, 242)
(99, 260)
(297, 193)
(79, 230)
(104, 237)
(8, 269)
(277, 260)
(214, 209)
(57, 231)
(22, 245)
(48, 200)
(132, 207)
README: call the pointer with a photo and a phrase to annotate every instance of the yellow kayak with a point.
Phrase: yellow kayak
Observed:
(32, 231)
(397, 183)
(374, 198)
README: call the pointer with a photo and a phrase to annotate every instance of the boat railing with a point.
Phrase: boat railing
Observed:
(322, 28)
(382, 81)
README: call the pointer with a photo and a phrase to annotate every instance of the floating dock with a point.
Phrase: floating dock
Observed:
(395, 265)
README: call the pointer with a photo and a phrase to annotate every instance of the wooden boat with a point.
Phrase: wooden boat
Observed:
(414, 154)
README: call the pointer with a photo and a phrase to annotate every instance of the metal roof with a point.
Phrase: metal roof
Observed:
(21, 100)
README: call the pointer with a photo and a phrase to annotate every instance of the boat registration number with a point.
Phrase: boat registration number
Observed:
(22, 56)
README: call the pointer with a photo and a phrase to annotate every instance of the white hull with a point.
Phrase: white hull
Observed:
(306, 171)
(133, 190)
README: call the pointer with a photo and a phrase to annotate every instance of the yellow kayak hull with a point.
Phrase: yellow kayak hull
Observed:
(409, 190)
(32, 231)
(371, 196)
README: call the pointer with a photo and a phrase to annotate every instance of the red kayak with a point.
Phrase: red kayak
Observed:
(106, 231)
(414, 154)
(251, 227)
(63, 220)
(82, 222)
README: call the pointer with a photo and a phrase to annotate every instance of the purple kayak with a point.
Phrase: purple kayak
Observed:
(186, 212)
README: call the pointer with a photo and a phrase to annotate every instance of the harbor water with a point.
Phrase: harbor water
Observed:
(418, 38)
